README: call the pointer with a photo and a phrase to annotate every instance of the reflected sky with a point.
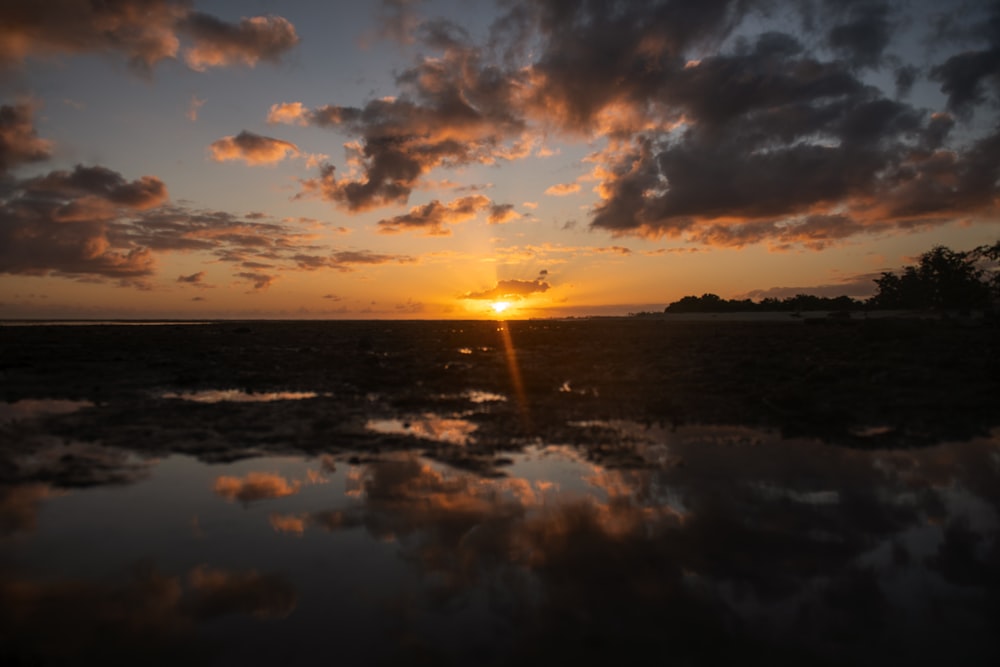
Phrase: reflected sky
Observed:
(238, 396)
(725, 544)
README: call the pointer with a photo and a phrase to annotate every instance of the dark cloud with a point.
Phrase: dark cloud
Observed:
(63, 223)
(218, 43)
(968, 78)
(193, 279)
(432, 218)
(142, 31)
(905, 77)
(19, 142)
(260, 281)
(452, 111)
(864, 35)
(99, 183)
(719, 124)
(346, 260)
(145, 32)
(510, 290)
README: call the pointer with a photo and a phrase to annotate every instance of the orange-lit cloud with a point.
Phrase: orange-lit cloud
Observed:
(289, 113)
(255, 486)
(145, 32)
(253, 149)
(218, 43)
(562, 189)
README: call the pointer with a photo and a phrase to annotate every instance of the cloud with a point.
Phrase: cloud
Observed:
(969, 77)
(863, 35)
(217, 43)
(261, 281)
(510, 290)
(289, 113)
(860, 286)
(253, 149)
(432, 217)
(255, 486)
(19, 142)
(62, 222)
(716, 129)
(502, 213)
(194, 106)
(145, 32)
(562, 189)
(195, 279)
(452, 110)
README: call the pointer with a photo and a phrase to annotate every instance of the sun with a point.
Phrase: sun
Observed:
(500, 306)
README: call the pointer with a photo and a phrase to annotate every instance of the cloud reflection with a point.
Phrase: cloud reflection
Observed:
(67, 621)
(715, 550)
(255, 486)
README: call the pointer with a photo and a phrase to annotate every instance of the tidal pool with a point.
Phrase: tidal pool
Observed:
(726, 544)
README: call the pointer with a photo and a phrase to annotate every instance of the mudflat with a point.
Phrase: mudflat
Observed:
(854, 383)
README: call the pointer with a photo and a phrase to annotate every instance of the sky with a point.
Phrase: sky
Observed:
(446, 159)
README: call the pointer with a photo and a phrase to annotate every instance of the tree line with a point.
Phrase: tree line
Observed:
(942, 280)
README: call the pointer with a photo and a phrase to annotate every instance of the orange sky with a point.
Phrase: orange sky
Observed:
(427, 159)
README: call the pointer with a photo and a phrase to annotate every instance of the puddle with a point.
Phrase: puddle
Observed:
(763, 544)
(476, 396)
(238, 396)
(451, 430)
(33, 408)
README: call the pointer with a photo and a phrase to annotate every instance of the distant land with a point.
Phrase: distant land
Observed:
(942, 280)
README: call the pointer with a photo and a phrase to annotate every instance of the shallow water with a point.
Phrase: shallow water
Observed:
(538, 493)
(728, 543)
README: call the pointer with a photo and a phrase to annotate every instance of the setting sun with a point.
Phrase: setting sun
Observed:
(500, 306)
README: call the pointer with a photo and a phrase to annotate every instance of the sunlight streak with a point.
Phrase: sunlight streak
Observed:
(515, 374)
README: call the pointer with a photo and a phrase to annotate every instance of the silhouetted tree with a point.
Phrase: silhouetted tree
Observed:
(942, 279)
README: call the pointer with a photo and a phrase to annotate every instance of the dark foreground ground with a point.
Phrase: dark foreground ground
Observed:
(882, 383)
(486, 493)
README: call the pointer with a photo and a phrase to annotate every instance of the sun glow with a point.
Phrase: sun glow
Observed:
(500, 306)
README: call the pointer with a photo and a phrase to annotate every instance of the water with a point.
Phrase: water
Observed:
(728, 543)
(469, 493)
